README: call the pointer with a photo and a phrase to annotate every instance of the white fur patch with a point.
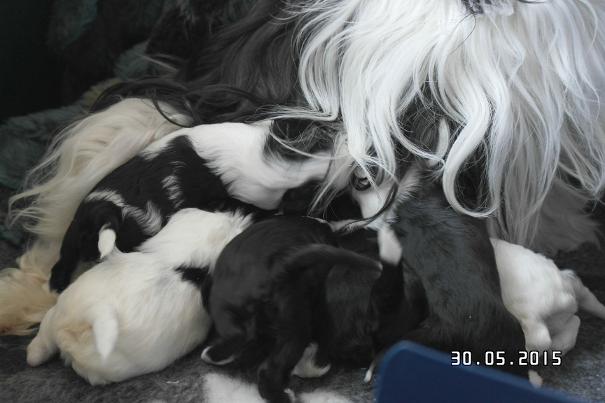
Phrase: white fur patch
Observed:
(206, 358)
(173, 188)
(544, 299)
(323, 396)
(149, 219)
(586, 299)
(105, 329)
(107, 241)
(389, 246)
(535, 379)
(236, 153)
(370, 373)
(107, 195)
(306, 368)
(220, 388)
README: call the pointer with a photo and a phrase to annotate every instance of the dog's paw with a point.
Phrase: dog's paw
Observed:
(209, 357)
(36, 353)
(307, 366)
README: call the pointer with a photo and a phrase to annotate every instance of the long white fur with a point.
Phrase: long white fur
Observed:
(544, 299)
(522, 80)
(133, 313)
(80, 156)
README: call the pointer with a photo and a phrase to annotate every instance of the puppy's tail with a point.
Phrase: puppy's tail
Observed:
(587, 301)
(105, 328)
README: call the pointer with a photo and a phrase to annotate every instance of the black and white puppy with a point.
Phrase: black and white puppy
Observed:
(212, 167)
(453, 259)
(286, 280)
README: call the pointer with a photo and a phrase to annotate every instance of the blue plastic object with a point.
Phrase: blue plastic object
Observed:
(416, 374)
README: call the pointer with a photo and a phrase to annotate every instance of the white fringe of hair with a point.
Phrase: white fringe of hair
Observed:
(78, 159)
(522, 81)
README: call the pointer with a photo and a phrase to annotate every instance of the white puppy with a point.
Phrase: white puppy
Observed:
(137, 312)
(543, 298)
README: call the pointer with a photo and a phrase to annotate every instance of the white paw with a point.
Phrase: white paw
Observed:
(389, 246)
(206, 358)
(370, 372)
(35, 355)
(107, 241)
(291, 395)
(535, 379)
(306, 367)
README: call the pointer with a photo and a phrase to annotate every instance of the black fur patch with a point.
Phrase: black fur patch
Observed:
(195, 275)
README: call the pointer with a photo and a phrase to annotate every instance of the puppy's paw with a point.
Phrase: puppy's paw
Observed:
(307, 366)
(389, 246)
(210, 356)
(535, 379)
(37, 353)
(290, 395)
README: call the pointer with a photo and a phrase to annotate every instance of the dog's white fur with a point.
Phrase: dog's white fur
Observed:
(219, 388)
(89, 150)
(235, 151)
(306, 366)
(522, 80)
(79, 157)
(543, 298)
(134, 313)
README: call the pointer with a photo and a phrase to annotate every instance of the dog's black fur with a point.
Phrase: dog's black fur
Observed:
(453, 260)
(139, 182)
(286, 280)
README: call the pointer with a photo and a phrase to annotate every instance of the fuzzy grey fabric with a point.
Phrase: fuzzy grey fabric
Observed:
(582, 373)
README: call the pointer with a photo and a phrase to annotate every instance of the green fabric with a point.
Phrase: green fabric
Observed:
(24, 139)
(132, 63)
(69, 19)
(27, 65)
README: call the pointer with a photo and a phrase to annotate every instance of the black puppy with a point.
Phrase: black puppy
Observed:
(286, 280)
(453, 260)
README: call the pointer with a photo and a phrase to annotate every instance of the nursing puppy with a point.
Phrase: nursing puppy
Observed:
(544, 299)
(213, 167)
(454, 262)
(285, 280)
(137, 312)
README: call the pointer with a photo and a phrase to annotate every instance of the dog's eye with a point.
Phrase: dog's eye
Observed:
(360, 183)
